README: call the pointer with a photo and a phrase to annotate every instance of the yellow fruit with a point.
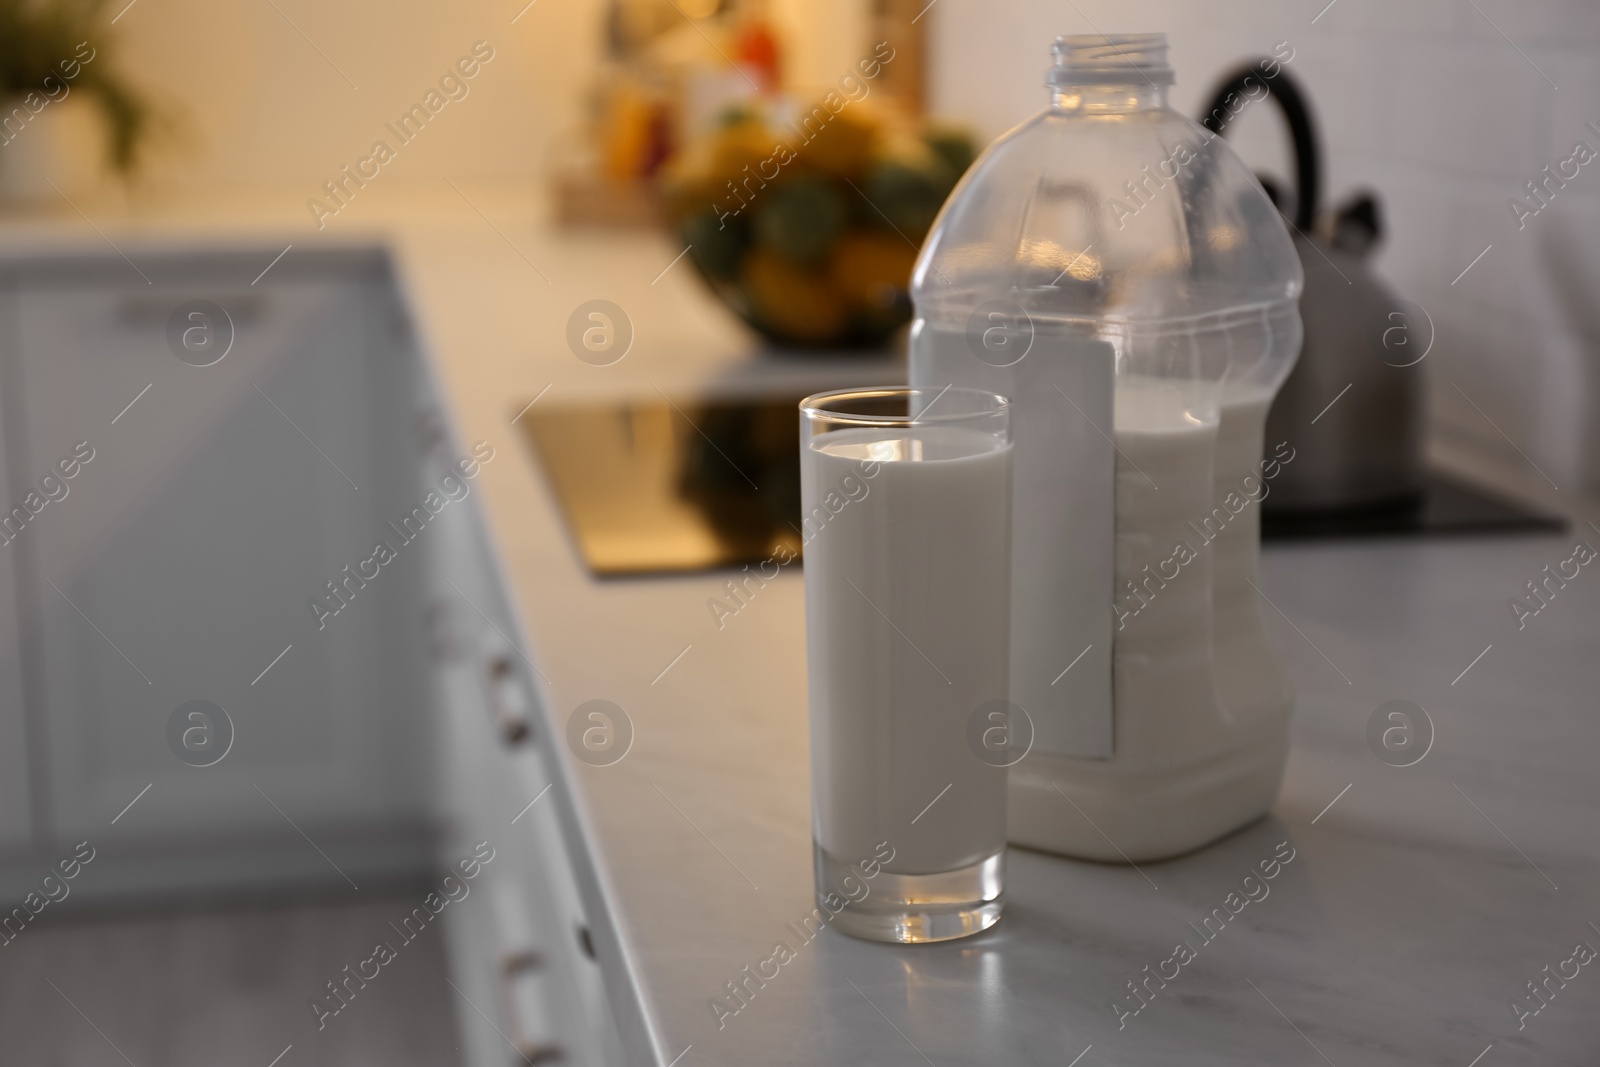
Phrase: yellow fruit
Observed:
(840, 145)
(746, 143)
(790, 301)
(871, 271)
(627, 135)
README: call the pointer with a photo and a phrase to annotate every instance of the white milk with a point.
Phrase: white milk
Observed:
(1162, 651)
(1254, 687)
(907, 571)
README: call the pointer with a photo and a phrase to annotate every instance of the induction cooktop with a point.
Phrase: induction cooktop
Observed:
(659, 485)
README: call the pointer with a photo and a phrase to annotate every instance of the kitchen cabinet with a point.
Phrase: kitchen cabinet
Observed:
(523, 954)
(208, 506)
(238, 451)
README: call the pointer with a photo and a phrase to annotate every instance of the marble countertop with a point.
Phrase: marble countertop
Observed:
(1419, 901)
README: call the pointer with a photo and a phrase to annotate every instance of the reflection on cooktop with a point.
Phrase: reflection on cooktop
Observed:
(657, 485)
(664, 485)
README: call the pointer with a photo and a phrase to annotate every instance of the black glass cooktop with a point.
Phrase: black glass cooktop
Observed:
(660, 485)
(1445, 506)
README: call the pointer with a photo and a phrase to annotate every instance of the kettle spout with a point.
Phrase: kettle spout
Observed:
(1358, 224)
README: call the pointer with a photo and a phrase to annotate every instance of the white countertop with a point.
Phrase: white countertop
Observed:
(1415, 910)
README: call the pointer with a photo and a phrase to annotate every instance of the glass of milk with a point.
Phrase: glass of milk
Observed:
(907, 528)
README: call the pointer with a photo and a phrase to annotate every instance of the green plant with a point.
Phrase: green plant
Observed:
(39, 45)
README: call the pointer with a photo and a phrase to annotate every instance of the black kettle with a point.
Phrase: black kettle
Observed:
(1353, 407)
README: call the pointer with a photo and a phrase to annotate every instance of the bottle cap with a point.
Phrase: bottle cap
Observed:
(1095, 59)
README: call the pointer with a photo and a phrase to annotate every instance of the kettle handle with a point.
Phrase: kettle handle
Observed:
(1296, 112)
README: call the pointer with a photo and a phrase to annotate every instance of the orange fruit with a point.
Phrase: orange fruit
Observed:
(871, 270)
(792, 302)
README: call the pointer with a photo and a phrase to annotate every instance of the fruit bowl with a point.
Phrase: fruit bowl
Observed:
(809, 230)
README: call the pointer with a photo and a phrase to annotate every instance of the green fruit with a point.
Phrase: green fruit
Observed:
(800, 219)
(737, 114)
(716, 245)
(951, 145)
(908, 196)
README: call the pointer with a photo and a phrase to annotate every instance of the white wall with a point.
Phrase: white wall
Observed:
(259, 105)
(1428, 104)
(826, 38)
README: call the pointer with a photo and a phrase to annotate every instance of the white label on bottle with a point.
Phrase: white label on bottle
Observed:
(1063, 524)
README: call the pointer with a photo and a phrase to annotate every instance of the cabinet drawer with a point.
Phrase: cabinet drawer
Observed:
(548, 987)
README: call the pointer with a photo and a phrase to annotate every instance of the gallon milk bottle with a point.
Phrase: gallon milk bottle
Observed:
(1118, 273)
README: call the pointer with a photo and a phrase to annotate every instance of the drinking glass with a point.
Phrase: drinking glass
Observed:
(906, 495)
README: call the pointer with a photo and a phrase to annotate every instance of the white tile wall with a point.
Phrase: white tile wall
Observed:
(1445, 108)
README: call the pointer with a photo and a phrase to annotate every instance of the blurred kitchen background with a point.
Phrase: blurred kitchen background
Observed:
(1445, 108)
(1433, 107)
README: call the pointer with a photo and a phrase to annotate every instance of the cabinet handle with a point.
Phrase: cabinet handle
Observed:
(508, 700)
(586, 941)
(145, 311)
(512, 966)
